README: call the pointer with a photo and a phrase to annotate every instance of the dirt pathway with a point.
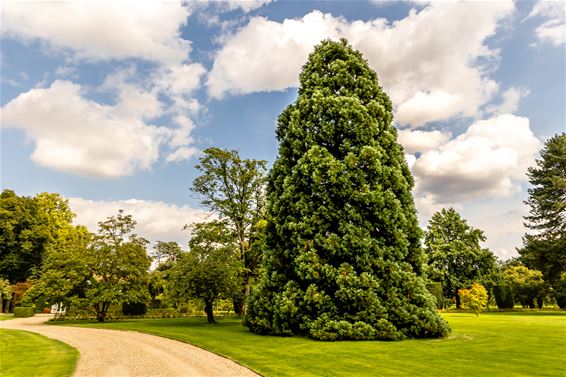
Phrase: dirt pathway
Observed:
(129, 353)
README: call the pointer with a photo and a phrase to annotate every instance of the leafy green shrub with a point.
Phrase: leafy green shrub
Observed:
(24, 311)
(503, 297)
(134, 308)
(435, 288)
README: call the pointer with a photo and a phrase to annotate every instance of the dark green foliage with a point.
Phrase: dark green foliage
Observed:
(560, 291)
(435, 288)
(134, 308)
(504, 297)
(545, 249)
(455, 257)
(24, 311)
(342, 245)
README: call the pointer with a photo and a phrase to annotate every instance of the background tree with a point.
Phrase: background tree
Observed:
(5, 295)
(343, 257)
(98, 270)
(233, 188)
(455, 257)
(166, 252)
(209, 270)
(165, 255)
(544, 249)
(474, 298)
(28, 226)
(527, 285)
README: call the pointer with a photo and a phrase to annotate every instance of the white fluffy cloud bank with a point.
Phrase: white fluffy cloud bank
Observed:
(77, 135)
(102, 30)
(156, 220)
(421, 59)
(490, 159)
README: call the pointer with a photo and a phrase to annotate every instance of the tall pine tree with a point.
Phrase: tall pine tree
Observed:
(342, 255)
(545, 248)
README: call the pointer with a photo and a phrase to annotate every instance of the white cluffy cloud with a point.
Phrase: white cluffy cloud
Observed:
(76, 135)
(80, 136)
(489, 159)
(102, 30)
(422, 141)
(439, 66)
(552, 30)
(156, 220)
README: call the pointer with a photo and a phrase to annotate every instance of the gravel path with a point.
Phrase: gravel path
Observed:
(129, 353)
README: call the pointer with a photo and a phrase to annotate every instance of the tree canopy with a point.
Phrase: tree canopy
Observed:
(210, 269)
(455, 257)
(544, 249)
(342, 253)
(96, 270)
(28, 227)
(233, 188)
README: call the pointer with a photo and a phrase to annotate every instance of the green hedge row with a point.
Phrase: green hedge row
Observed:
(503, 297)
(24, 311)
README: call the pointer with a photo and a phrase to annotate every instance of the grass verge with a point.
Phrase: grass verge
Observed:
(5, 316)
(23, 353)
(494, 344)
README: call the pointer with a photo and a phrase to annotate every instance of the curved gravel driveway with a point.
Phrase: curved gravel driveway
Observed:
(129, 353)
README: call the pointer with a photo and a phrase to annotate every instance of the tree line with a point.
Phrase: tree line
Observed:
(326, 244)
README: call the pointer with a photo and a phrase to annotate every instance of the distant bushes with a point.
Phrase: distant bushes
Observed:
(24, 311)
(504, 297)
(134, 308)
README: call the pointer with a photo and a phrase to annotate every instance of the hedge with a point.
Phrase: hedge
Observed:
(24, 311)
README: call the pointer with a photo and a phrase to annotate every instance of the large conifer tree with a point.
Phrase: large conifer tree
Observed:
(342, 258)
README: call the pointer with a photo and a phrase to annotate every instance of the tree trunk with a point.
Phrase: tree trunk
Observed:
(238, 302)
(208, 311)
(457, 299)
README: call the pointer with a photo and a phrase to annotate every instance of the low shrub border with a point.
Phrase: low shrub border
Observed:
(24, 311)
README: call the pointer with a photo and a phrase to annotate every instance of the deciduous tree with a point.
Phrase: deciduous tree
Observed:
(455, 257)
(210, 269)
(343, 257)
(233, 188)
(96, 270)
(474, 298)
(28, 227)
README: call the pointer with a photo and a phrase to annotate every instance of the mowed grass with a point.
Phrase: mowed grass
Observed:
(5, 316)
(23, 353)
(495, 344)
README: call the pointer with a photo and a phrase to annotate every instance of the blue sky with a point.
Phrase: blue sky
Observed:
(110, 104)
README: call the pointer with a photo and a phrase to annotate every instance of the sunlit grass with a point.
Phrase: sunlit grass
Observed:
(23, 353)
(494, 344)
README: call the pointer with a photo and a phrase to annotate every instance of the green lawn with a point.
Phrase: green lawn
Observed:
(5, 316)
(23, 353)
(495, 344)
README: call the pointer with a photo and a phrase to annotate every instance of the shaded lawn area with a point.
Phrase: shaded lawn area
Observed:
(23, 353)
(495, 344)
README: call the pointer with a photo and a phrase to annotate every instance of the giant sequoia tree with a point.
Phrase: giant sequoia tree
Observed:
(342, 257)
